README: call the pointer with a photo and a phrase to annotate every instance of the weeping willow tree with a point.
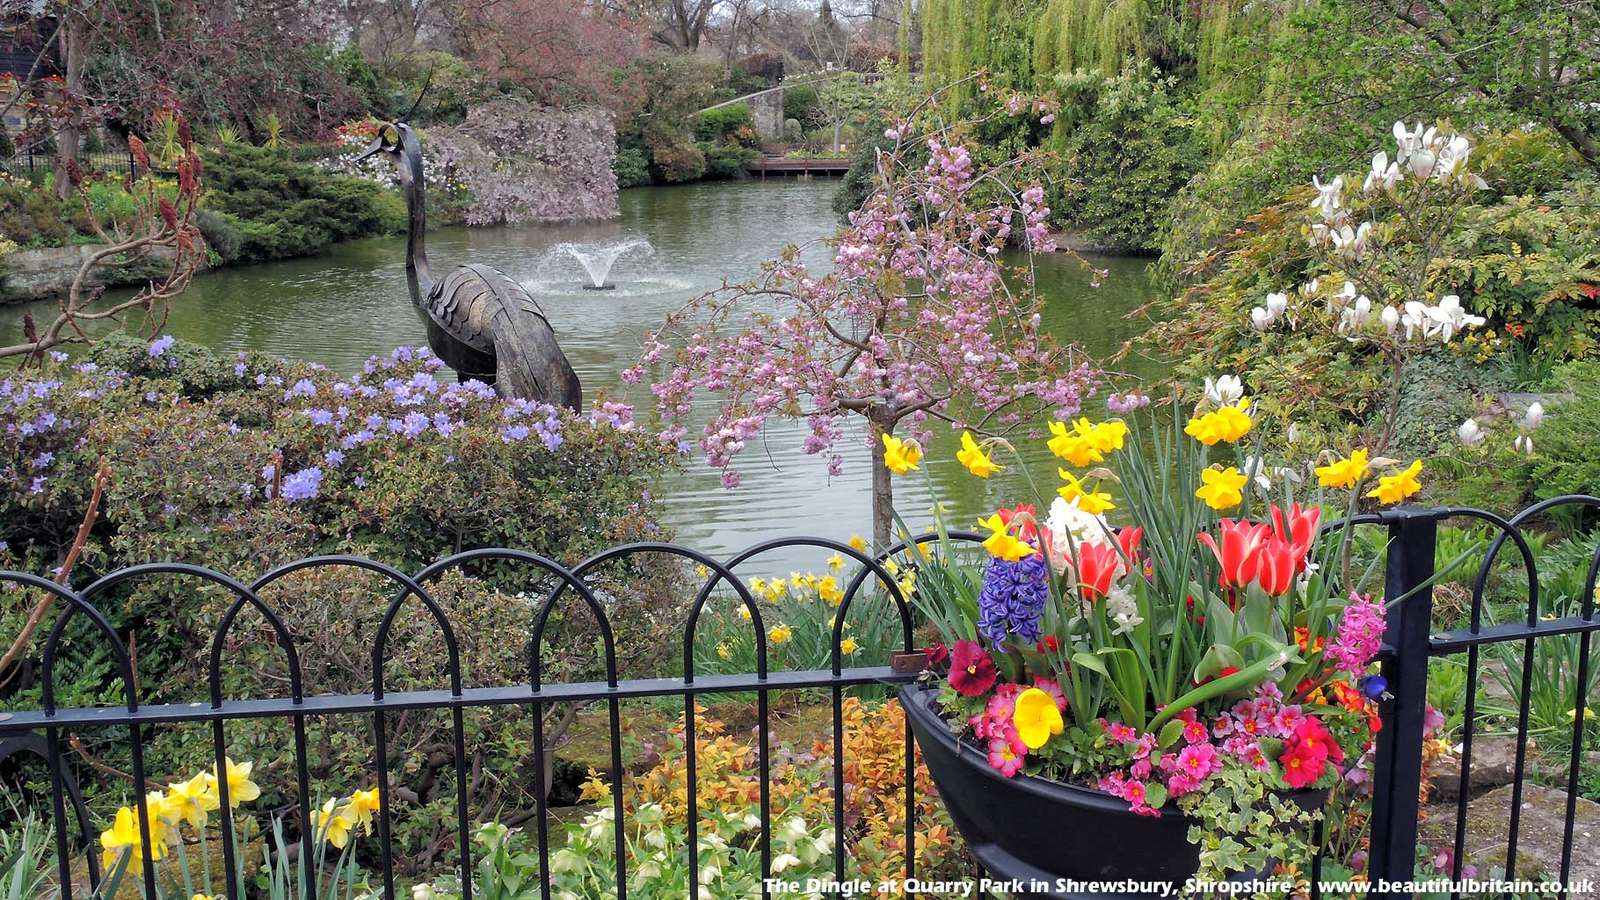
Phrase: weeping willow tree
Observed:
(960, 37)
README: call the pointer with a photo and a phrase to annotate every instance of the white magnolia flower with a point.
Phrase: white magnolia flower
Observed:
(422, 892)
(1416, 320)
(1260, 319)
(1452, 157)
(1320, 234)
(1421, 163)
(1407, 141)
(1327, 202)
(1277, 304)
(1470, 434)
(1451, 317)
(1351, 242)
(1224, 390)
(1355, 316)
(1384, 176)
(1310, 287)
(1391, 319)
(1342, 299)
(1534, 417)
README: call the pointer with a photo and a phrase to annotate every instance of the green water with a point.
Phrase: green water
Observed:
(349, 303)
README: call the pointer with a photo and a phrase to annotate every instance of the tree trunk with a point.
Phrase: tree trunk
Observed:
(882, 494)
(74, 57)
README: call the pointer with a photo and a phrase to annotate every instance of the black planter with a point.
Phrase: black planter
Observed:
(1036, 830)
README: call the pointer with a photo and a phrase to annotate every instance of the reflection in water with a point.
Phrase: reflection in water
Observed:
(349, 303)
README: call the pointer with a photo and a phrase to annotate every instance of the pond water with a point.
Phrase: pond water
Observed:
(349, 303)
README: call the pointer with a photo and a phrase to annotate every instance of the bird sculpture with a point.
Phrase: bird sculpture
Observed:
(480, 321)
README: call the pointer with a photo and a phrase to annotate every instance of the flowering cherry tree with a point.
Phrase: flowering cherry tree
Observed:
(917, 321)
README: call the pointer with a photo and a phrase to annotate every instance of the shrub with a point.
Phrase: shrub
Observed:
(221, 232)
(632, 167)
(719, 123)
(31, 216)
(672, 157)
(726, 160)
(801, 102)
(284, 208)
(1126, 151)
(1565, 461)
(243, 463)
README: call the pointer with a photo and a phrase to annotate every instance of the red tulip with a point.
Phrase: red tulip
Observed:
(1097, 565)
(1128, 540)
(1298, 529)
(1278, 566)
(1239, 554)
(1029, 529)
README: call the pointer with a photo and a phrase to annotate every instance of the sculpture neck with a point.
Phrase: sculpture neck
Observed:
(417, 216)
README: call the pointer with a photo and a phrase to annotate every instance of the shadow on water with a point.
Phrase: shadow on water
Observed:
(342, 306)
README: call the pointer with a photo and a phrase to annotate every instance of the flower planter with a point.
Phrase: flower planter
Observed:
(1034, 829)
(1037, 830)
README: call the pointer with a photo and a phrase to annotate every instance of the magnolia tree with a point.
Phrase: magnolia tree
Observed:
(1380, 245)
(916, 322)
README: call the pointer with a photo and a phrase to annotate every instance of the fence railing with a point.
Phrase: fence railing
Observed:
(33, 163)
(1411, 548)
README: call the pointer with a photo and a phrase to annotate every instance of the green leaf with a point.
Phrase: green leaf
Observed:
(1170, 734)
(1155, 795)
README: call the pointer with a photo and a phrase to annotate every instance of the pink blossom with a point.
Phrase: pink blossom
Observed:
(1359, 635)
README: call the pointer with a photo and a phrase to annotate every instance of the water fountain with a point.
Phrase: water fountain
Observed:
(597, 259)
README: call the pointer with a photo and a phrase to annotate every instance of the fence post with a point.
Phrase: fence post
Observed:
(1397, 775)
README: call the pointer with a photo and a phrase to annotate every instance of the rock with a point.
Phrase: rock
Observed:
(47, 272)
(1539, 841)
(1494, 760)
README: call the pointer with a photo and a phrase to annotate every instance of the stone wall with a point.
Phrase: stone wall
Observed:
(47, 272)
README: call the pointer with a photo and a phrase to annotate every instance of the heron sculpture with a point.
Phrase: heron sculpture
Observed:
(480, 321)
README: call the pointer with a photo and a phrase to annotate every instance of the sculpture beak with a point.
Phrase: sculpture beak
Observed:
(374, 147)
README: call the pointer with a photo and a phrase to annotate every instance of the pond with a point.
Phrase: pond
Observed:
(349, 303)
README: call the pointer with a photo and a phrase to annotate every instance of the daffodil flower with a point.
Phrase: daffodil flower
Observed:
(1222, 488)
(1092, 502)
(974, 458)
(780, 634)
(1392, 489)
(1344, 473)
(901, 456)
(332, 823)
(240, 788)
(1001, 543)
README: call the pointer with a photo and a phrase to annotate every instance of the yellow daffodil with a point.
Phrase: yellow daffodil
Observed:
(744, 612)
(332, 823)
(193, 799)
(908, 586)
(1222, 488)
(780, 634)
(973, 457)
(776, 588)
(701, 570)
(363, 806)
(1588, 714)
(240, 788)
(836, 562)
(758, 585)
(828, 590)
(1344, 473)
(1092, 502)
(848, 646)
(1392, 489)
(858, 543)
(1226, 424)
(1108, 436)
(124, 837)
(1036, 717)
(1001, 542)
(1077, 446)
(724, 652)
(901, 456)
(892, 567)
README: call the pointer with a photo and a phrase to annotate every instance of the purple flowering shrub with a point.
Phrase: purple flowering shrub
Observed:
(245, 462)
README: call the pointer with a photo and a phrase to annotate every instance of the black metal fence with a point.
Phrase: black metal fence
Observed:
(1411, 548)
(31, 162)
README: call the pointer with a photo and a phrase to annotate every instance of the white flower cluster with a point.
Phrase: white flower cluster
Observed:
(1472, 434)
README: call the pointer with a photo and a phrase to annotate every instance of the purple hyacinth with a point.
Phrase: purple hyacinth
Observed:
(1013, 598)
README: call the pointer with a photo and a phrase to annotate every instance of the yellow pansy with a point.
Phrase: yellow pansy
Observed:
(780, 634)
(1001, 542)
(858, 542)
(1392, 489)
(1036, 717)
(848, 646)
(1225, 424)
(332, 823)
(194, 798)
(1344, 473)
(1092, 502)
(240, 788)
(901, 456)
(1222, 488)
(836, 561)
(363, 806)
(973, 457)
